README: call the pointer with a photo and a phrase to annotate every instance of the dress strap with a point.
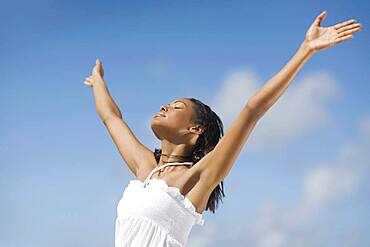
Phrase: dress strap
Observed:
(164, 165)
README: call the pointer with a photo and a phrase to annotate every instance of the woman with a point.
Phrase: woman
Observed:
(176, 183)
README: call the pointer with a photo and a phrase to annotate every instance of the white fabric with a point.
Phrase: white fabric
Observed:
(153, 214)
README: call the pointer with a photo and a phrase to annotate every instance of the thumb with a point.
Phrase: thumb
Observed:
(99, 67)
(320, 18)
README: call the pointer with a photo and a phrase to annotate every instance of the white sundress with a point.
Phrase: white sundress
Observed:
(153, 214)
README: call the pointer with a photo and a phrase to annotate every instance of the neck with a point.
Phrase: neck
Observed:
(174, 153)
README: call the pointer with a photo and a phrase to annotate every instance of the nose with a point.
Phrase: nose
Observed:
(163, 108)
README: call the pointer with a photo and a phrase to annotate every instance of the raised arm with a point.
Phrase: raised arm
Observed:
(317, 38)
(134, 153)
(217, 164)
(104, 103)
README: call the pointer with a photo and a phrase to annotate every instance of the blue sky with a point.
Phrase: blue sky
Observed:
(302, 178)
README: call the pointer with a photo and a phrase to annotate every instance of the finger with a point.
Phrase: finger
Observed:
(86, 83)
(100, 68)
(345, 23)
(340, 40)
(320, 18)
(88, 79)
(348, 27)
(345, 33)
(94, 70)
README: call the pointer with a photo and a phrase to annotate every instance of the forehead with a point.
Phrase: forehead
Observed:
(183, 100)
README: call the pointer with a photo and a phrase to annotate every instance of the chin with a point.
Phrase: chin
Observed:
(155, 132)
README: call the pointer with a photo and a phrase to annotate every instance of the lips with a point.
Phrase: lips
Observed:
(159, 114)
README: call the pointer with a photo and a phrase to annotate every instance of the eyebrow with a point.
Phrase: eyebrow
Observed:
(181, 102)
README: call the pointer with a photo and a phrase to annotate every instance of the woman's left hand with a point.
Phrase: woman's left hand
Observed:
(97, 74)
(319, 38)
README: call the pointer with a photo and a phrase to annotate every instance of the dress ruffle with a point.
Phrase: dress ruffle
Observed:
(148, 233)
(175, 193)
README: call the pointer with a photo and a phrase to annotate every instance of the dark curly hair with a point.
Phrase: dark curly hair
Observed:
(213, 132)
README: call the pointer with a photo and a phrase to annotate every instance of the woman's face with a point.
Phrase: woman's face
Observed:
(172, 122)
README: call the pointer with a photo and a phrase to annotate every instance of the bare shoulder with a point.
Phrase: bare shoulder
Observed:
(145, 168)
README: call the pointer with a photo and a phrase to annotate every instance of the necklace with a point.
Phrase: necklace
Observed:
(173, 155)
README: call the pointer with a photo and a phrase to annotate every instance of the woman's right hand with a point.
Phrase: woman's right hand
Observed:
(96, 74)
(320, 38)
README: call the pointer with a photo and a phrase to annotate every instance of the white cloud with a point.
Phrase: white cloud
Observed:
(323, 186)
(237, 86)
(304, 105)
(204, 237)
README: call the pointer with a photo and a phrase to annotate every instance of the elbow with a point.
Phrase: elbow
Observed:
(255, 108)
(106, 118)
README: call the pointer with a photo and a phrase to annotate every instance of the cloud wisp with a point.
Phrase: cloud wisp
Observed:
(302, 108)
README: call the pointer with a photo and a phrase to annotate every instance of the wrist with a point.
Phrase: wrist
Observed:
(306, 48)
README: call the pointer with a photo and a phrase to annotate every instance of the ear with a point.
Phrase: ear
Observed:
(198, 129)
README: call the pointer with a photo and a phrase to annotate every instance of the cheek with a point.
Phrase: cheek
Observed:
(179, 119)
